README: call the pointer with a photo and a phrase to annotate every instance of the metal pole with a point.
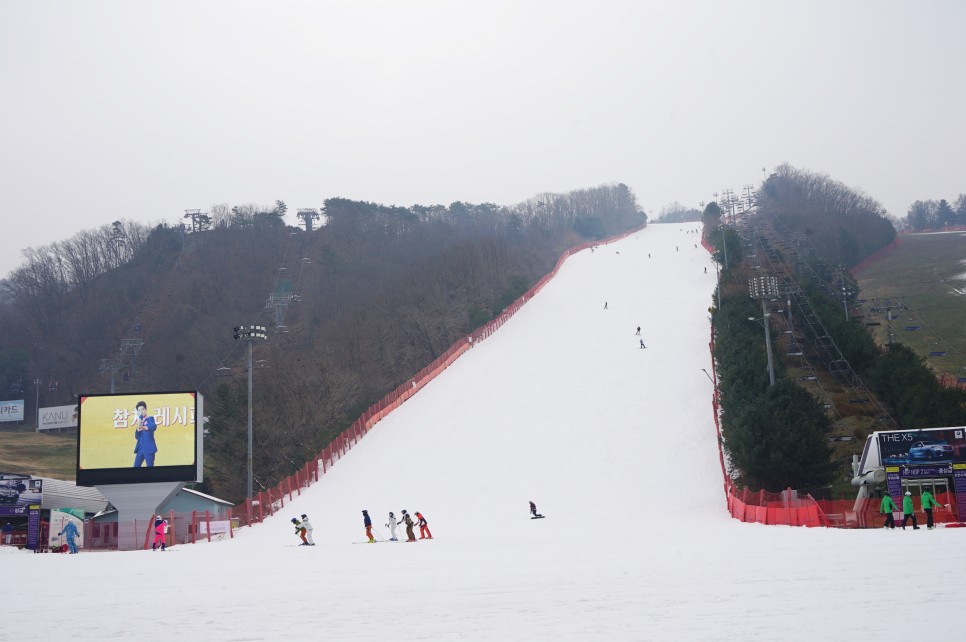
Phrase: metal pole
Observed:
(250, 419)
(724, 240)
(771, 363)
(37, 402)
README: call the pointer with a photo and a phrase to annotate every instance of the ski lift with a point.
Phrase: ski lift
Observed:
(794, 350)
(283, 269)
(911, 328)
(938, 353)
(283, 329)
(305, 260)
(223, 372)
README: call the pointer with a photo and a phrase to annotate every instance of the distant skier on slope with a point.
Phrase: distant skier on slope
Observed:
(307, 525)
(300, 531)
(533, 511)
(367, 521)
(391, 525)
(423, 527)
(410, 535)
(642, 344)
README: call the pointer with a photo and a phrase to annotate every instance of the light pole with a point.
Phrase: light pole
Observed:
(765, 288)
(250, 334)
(37, 402)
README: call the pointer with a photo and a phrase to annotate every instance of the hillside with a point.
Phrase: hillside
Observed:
(923, 281)
(614, 443)
(353, 308)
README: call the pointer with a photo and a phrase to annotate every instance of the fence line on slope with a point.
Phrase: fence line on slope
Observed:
(271, 500)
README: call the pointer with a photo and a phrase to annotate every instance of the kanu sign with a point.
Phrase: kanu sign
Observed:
(58, 417)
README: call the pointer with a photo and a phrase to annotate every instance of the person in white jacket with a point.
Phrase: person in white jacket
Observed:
(308, 529)
(392, 528)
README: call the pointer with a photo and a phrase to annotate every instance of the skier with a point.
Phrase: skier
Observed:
(638, 331)
(928, 503)
(69, 533)
(160, 533)
(300, 531)
(392, 527)
(423, 527)
(887, 508)
(907, 512)
(605, 305)
(642, 344)
(307, 525)
(410, 535)
(368, 523)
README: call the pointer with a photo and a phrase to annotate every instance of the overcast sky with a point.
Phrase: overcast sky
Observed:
(139, 110)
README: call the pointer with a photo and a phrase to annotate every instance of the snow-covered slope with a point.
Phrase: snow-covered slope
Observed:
(614, 443)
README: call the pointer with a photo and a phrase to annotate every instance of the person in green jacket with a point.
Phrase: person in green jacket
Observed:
(907, 512)
(887, 508)
(928, 503)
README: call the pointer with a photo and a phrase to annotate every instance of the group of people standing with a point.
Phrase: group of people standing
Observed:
(393, 523)
(887, 507)
(303, 527)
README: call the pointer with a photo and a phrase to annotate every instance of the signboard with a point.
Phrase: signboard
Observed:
(139, 438)
(56, 417)
(959, 487)
(923, 447)
(18, 493)
(33, 527)
(11, 410)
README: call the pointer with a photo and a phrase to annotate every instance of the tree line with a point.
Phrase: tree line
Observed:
(935, 215)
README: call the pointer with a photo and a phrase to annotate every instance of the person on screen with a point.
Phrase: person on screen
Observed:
(145, 447)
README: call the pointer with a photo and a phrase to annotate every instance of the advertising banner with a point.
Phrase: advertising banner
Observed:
(17, 494)
(57, 417)
(11, 410)
(918, 447)
(33, 526)
(59, 532)
(140, 437)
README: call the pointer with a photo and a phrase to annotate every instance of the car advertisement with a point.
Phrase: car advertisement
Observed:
(17, 494)
(911, 448)
(58, 417)
(11, 410)
(140, 437)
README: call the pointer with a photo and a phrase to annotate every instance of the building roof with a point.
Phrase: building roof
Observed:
(66, 494)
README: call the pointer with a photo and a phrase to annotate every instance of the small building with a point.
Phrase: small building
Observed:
(179, 511)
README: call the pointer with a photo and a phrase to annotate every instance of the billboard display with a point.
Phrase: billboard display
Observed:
(923, 447)
(57, 417)
(139, 438)
(11, 410)
(19, 492)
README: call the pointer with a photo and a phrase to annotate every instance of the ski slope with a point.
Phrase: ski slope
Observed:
(617, 447)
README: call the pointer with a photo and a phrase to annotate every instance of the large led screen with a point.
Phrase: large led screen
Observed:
(928, 446)
(139, 437)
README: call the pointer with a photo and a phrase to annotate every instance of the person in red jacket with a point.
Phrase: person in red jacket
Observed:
(423, 527)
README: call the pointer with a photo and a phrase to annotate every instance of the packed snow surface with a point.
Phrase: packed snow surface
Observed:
(615, 444)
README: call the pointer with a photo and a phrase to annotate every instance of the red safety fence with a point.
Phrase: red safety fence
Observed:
(271, 500)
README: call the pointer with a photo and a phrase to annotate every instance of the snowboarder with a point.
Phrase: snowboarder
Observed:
(70, 533)
(638, 331)
(423, 527)
(307, 525)
(605, 305)
(533, 509)
(160, 533)
(368, 524)
(410, 535)
(907, 512)
(300, 531)
(928, 503)
(887, 508)
(391, 525)
(642, 344)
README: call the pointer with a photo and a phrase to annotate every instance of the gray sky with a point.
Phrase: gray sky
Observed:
(141, 110)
